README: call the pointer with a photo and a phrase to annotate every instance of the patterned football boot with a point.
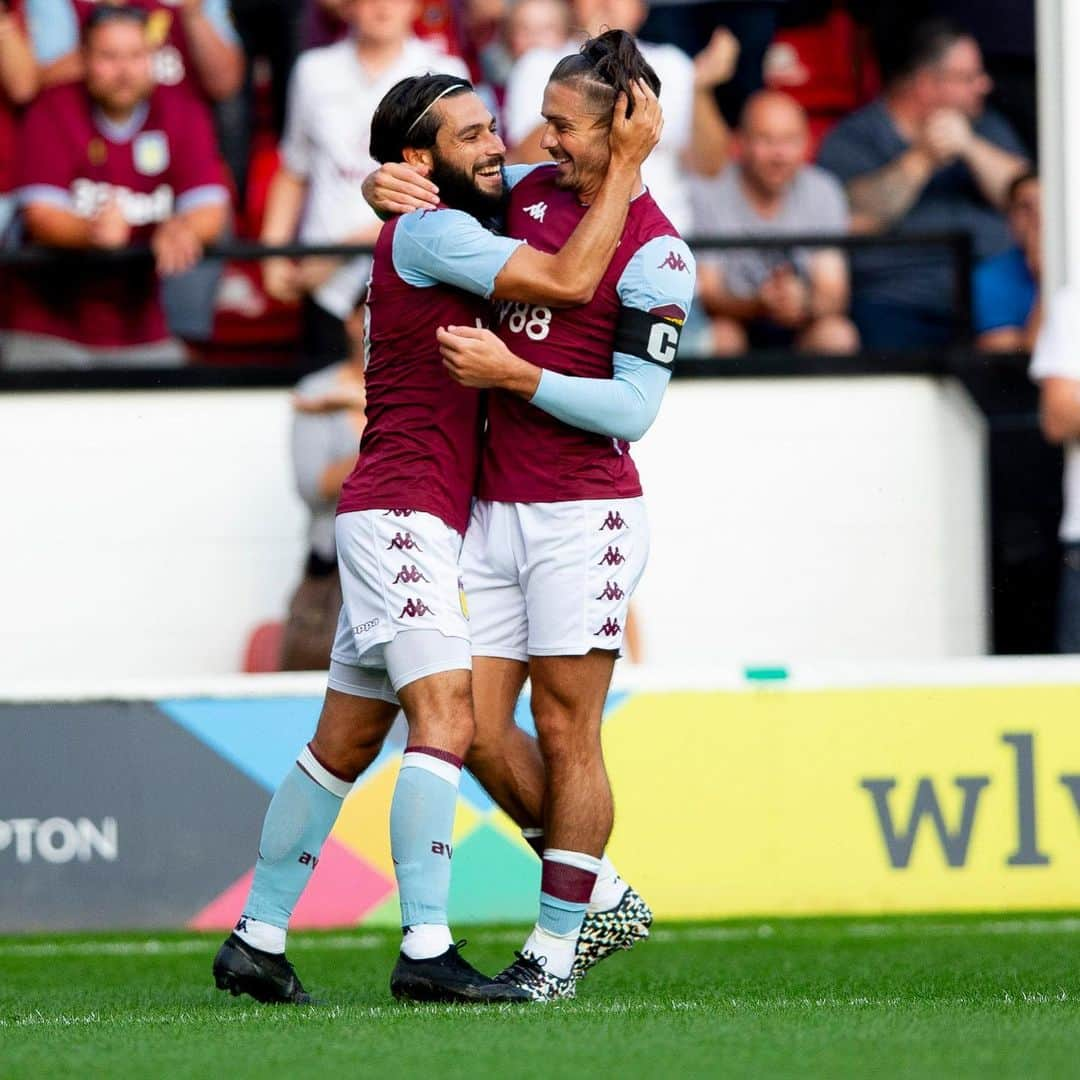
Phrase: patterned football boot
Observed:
(606, 932)
(527, 972)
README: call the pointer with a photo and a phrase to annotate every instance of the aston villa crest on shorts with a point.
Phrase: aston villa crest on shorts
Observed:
(150, 153)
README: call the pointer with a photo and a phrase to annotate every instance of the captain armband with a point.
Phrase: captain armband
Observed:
(649, 335)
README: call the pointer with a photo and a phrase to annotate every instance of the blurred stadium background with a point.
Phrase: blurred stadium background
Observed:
(843, 707)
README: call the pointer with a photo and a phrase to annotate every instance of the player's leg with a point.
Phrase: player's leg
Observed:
(585, 560)
(568, 694)
(505, 759)
(352, 727)
(431, 676)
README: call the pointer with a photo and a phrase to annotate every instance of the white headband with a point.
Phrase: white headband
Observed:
(456, 86)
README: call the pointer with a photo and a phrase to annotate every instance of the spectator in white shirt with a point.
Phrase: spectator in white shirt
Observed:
(695, 137)
(1055, 366)
(333, 94)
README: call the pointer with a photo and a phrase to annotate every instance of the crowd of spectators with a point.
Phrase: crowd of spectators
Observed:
(782, 118)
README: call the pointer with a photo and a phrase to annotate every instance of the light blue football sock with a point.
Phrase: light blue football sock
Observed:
(301, 815)
(421, 833)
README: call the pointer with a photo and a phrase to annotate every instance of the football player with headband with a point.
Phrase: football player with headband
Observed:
(403, 638)
(558, 539)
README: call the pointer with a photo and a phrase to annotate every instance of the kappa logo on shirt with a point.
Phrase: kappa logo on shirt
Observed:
(537, 211)
(674, 261)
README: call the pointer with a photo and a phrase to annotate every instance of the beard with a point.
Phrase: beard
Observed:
(458, 190)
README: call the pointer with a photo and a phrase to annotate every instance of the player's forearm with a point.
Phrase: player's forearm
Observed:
(284, 204)
(994, 169)
(584, 258)
(57, 227)
(622, 407)
(219, 64)
(880, 199)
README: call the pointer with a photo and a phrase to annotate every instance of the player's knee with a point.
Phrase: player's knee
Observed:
(345, 757)
(445, 720)
(566, 734)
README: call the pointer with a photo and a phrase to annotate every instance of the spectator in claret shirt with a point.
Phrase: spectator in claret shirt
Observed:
(194, 44)
(107, 164)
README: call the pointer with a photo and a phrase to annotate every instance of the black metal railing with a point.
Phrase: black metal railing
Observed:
(955, 245)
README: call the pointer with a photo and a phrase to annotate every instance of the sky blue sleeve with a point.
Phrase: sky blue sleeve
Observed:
(655, 290)
(54, 30)
(514, 174)
(449, 247)
(660, 279)
(622, 407)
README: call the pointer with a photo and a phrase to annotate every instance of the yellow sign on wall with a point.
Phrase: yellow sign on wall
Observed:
(845, 801)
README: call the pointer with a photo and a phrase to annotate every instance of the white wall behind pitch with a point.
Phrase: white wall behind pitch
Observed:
(145, 534)
(815, 519)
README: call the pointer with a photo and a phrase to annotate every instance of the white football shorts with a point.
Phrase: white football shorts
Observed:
(399, 574)
(552, 579)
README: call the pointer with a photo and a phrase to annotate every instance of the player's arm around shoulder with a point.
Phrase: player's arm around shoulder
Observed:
(449, 247)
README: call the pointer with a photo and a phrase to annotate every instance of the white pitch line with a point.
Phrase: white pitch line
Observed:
(667, 935)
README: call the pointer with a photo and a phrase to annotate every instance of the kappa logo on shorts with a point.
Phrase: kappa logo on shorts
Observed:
(610, 629)
(414, 609)
(612, 557)
(611, 592)
(409, 575)
(399, 513)
(613, 521)
(404, 543)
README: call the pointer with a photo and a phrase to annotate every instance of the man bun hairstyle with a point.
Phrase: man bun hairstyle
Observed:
(607, 65)
(406, 117)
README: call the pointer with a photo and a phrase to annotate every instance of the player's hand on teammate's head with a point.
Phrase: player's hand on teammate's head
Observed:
(397, 188)
(633, 137)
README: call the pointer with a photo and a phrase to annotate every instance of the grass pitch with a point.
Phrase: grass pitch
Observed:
(935, 997)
